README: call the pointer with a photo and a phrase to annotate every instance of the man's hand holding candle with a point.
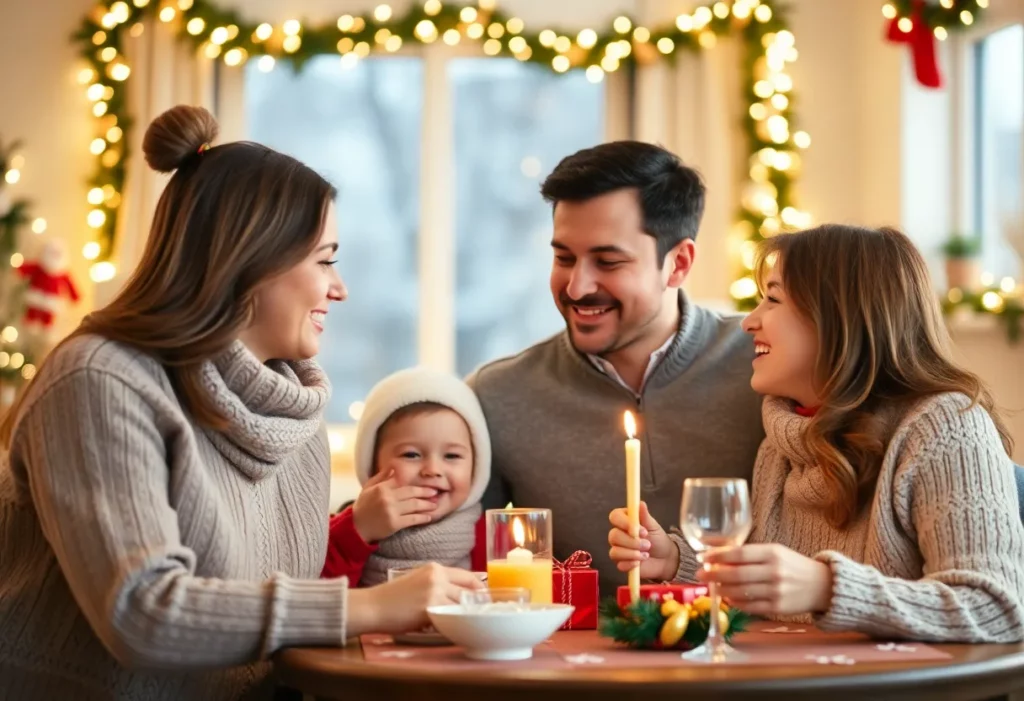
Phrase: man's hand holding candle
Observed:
(654, 551)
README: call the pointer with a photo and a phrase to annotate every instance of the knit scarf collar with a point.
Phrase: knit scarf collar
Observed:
(784, 428)
(805, 484)
(272, 409)
(448, 542)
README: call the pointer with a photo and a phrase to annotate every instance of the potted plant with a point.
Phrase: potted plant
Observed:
(962, 267)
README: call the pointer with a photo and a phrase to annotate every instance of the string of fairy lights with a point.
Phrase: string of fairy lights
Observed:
(941, 17)
(767, 208)
(16, 359)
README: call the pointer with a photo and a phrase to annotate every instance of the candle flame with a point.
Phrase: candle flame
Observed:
(518, 534)
(630, 423)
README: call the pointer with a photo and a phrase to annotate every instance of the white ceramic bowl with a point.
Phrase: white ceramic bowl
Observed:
(486, 633)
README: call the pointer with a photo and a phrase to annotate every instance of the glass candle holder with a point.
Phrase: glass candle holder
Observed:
(519, 551)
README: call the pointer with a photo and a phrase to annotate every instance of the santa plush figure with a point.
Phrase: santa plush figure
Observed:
(48, 282)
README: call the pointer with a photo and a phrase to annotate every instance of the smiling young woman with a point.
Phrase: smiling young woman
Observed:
(163, 507)
(884, 498)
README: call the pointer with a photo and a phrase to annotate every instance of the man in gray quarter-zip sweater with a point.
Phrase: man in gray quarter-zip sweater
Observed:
(625, 218)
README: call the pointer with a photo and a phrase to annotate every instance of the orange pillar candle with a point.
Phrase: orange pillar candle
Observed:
(521, 566)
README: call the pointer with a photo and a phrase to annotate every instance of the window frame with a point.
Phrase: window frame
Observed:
(965, 91)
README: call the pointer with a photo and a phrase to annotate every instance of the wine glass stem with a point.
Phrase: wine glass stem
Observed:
(714, 634)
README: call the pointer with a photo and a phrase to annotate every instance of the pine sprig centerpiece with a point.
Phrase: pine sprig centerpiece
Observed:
(648, 624)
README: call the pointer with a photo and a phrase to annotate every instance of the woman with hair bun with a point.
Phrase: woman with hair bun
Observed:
(163, 504)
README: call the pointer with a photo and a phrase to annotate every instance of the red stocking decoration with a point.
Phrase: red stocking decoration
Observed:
(922, 47)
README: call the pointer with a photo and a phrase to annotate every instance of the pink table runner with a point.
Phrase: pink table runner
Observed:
(765, 643)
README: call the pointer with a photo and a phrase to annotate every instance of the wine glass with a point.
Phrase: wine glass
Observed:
(715, 514)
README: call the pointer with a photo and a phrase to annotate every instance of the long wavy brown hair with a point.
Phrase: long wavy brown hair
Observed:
(882, 347)
(230, 218)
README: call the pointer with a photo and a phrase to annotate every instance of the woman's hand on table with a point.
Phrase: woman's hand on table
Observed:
(769, 579)
(654, 551)
(401, 604)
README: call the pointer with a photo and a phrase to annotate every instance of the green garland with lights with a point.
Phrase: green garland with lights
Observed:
(16, 359)
(768, 206)
(948, 15)
(1007, 307)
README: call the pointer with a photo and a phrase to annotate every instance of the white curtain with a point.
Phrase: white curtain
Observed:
(166, 71)
(694, 109)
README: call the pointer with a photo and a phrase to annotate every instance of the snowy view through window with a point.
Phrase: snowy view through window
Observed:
(361, 127)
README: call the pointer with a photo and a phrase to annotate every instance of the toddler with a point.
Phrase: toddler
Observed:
(423, 456)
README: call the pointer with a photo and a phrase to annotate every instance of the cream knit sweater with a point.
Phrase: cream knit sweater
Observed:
(937, 555)
(142, 557)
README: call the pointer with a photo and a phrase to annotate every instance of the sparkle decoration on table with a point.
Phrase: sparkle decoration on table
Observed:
(380, 642)
(784, 629)
(584, 658)
(648, 624)
(398, 654)
(773, 144)
(896, 647)
(834, 659)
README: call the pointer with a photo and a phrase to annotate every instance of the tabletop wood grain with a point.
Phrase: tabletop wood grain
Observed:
(974, 672)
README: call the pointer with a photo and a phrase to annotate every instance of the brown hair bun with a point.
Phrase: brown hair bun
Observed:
(177, 135)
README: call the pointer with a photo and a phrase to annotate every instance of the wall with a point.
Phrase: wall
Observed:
(42, 104)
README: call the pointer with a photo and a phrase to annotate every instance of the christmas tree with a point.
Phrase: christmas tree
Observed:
(16, 355)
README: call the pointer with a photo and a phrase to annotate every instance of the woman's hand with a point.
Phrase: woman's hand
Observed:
(654, 551)
(769, 579)
(401, 605)
(383, 508)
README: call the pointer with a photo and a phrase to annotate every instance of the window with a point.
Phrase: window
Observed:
(360, 127)
(513, 123)
(998, 158)
(363, 127)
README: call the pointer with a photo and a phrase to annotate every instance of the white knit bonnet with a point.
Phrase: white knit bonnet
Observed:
(413, 386)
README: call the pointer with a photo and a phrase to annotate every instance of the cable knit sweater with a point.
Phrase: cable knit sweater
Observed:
(143, 557)
(937, 555)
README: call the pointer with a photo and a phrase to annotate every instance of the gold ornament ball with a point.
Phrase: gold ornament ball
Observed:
(674, 628)
(702, 604)
(669, 607)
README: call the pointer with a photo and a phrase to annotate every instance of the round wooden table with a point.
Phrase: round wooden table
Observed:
(975, 672)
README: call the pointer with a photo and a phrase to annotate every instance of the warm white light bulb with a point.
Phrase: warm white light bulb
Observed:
(91, 251)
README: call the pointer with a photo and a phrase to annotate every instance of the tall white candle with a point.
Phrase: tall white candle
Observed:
(633, 496)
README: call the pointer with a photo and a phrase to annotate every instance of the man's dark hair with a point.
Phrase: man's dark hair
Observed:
(671, 194)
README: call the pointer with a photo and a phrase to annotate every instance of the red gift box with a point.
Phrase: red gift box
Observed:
(683, 593)
(575, 582)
